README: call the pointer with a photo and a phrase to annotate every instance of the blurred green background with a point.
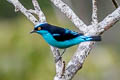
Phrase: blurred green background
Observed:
(28, 57)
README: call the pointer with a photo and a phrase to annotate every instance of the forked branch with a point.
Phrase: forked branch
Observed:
(96, 28)
(29, 14)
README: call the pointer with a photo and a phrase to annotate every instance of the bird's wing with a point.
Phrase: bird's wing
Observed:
(65, 34)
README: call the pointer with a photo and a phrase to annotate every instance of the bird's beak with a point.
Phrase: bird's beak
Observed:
(33, 31)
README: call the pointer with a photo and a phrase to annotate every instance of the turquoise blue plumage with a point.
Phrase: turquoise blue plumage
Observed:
(60, 37)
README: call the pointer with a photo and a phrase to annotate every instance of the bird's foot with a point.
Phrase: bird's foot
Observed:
(59, 58)
(60, 55)
(62, 52)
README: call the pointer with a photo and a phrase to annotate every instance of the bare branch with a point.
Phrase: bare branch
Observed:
(60, 65)
(109, 20)
(94, 14)
(84, 48)
(55, 51)
(20, 7)
(42, 18)
(70, 14)
(40, 14)
(76, 63)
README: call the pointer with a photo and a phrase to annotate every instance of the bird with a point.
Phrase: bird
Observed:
(61, 38)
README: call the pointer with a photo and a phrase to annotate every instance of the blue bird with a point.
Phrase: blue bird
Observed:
(60, 37)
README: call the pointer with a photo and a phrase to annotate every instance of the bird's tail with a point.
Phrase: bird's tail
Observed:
(93, 38)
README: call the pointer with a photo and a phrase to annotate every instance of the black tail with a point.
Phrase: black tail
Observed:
(95, 38)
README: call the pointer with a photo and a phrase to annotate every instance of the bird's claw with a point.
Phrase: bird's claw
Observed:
(57, 59)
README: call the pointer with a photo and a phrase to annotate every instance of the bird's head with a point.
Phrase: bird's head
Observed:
(40, 28)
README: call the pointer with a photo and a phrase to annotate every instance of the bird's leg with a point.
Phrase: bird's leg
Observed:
(62, 52)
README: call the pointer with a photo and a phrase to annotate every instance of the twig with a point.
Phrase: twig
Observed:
(20, 7)
(75, 64)
(115, 3)
(109, 21)
(94, 14)
(40, 14)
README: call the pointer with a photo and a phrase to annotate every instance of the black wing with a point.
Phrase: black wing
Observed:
(61, 34)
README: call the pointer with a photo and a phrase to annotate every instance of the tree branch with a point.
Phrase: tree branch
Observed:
(75, 64)
(84, 48)
(42, 18)
(109, 21)
(59, 63)
(70, 14)
(21, 8)
(94, 14)
(40, 14)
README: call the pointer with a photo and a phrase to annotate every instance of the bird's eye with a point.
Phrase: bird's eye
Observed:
(39, 28)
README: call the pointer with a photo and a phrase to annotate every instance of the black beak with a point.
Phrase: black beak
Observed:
(33, 31)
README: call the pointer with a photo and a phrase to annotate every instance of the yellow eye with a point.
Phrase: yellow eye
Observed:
(39, 28)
